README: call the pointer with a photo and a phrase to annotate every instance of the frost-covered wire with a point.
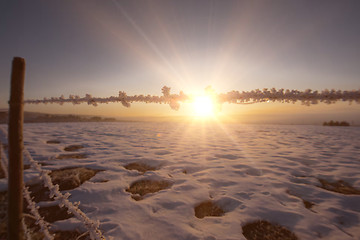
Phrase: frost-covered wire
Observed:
(44, 226)
(167, 98)
(93, 227)
(307, 97)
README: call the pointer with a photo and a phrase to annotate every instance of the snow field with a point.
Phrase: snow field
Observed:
(252, 172)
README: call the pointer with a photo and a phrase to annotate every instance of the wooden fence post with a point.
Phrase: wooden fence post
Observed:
(16, 145)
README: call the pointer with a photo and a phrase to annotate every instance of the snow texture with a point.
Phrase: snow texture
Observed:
(252, 172)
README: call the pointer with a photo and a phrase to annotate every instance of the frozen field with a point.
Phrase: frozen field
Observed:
(252, 172)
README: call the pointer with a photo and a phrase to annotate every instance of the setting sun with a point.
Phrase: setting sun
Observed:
(203, 106)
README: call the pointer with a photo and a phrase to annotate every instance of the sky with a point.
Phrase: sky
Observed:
(103, 47)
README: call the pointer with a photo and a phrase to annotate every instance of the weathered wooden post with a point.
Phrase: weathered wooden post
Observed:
(16, 145)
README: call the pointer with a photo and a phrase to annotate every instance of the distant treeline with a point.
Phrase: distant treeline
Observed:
(332, 123)
(30, 117)
(68, 118)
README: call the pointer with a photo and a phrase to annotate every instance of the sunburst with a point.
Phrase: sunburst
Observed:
(203, 106)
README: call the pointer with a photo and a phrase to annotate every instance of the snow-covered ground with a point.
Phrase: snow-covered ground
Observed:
(251, 171)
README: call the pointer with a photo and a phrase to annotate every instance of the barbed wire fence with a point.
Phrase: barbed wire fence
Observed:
(62, 199)
(43, 225)
(13, 171)
(307, 97)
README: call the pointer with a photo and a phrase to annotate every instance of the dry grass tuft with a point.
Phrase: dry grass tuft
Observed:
(264, 230)
(72, 148)
(308, 204)
(39, 193)
(143, 187)
(51, 214)
(208, 209)
(140, 167)
(339, 187)
(137, 197)
(72, 156)
(70, 178)
(54, 213)
(67, 179)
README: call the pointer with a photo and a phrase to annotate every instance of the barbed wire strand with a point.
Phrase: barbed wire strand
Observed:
(93, 227)
(44, 226)
(307, 97)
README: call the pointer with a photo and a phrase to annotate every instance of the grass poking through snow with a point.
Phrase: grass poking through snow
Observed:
(72, 148)
(143, 187)
(339, 187)
(264, 230)
(208, 209)
(140, 167)
(72, 156)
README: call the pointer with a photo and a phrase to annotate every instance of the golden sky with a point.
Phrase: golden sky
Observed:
(101, 48)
